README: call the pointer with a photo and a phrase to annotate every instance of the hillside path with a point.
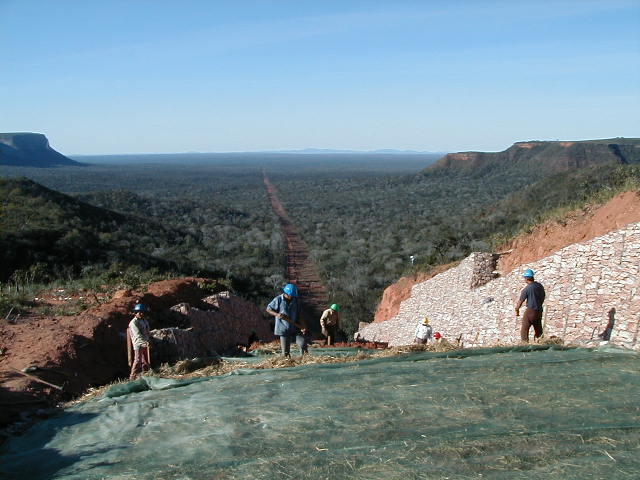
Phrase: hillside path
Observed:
(300, 269)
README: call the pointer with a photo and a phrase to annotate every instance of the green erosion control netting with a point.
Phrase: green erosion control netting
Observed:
(492, 413)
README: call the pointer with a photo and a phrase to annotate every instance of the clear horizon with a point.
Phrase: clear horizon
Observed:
(156, 77)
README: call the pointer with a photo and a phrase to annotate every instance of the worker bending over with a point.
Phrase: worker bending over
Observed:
(423, 332)
(330, 323)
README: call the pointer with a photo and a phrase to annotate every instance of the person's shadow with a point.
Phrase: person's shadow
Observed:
(606, 335)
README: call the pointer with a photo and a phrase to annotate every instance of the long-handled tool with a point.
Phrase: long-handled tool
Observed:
(129, 349)
(37, 379)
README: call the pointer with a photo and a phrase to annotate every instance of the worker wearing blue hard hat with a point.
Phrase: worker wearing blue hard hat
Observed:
(290, 289)
(533, 294)
(289, 324)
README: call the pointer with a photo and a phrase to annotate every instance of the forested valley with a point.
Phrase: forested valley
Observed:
(362, 233)
(123, 222)
(362, 218)
(134, 224)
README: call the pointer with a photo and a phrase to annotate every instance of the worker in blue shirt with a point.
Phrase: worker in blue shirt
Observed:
(289, 324)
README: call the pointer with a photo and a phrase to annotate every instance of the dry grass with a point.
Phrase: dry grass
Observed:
(211, 367)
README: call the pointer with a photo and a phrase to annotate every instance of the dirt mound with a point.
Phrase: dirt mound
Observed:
(545, 239)
(76, 352)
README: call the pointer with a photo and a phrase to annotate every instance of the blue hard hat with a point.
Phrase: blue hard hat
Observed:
(140, 307)
(290, 289)
(528, 273)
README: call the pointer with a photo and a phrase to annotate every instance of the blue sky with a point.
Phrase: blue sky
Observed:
(110, 76)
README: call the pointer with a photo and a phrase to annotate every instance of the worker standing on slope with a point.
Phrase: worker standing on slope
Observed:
(423, 332)
(534, 295)
(138, 333)
(289, 324)
(330, 323)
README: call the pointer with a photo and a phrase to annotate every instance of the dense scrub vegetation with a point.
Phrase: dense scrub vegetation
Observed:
(362, 219)
(63, 235)
(207, 216)
(173, 224)
(556, 194)
(362, 232)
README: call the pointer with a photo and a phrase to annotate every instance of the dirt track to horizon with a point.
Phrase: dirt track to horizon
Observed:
(300, 269)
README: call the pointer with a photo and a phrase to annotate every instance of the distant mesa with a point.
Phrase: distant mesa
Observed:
(558, 156)
(30, 150)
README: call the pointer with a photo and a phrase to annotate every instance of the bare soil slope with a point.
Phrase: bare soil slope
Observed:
(545, 239)
(76, 352)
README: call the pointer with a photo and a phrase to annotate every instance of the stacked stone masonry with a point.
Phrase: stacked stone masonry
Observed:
(229, 322)
(589, 286)
(484, 266)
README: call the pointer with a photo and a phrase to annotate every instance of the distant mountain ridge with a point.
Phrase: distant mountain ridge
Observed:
(549, 156)
(26, 149)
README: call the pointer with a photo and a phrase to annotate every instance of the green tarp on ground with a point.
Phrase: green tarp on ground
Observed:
(501, 413)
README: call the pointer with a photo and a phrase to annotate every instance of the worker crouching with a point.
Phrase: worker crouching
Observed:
(423, 332)
(330, 323)
(138, 340)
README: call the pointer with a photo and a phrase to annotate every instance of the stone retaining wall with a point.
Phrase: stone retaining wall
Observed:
(230, 321)
(590, 286)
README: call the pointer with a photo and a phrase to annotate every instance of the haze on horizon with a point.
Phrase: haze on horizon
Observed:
(158, 76)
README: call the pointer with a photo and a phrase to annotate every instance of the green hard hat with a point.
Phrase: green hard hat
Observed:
(335, 307)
